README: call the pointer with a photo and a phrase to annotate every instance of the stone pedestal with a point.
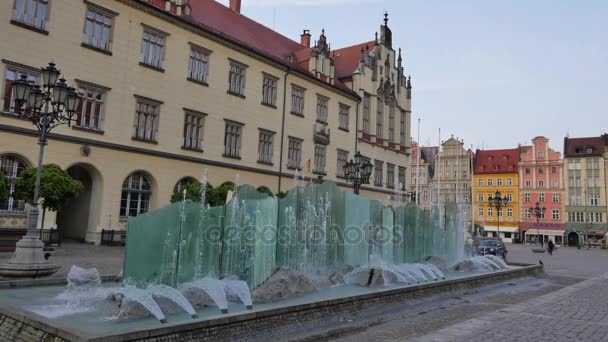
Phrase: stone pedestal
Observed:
(28, 260)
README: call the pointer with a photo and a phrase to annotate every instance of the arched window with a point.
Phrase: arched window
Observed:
(11, 167)
(136, 193)
(184, 182)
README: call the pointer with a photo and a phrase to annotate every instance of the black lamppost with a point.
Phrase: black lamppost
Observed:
(538, 212)
(47, 106)
(358, 171)
(498, 202)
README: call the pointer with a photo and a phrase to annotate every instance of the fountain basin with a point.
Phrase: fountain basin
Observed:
(16, 303)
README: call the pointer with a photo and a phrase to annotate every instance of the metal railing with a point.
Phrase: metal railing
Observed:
(113, 237)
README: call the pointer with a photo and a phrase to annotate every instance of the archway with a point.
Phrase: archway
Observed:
(573, 239)
(80, 215)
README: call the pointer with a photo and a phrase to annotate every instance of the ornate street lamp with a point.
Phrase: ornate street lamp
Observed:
(358, 171)
(47, 106)
(498, 202)
(538, 212)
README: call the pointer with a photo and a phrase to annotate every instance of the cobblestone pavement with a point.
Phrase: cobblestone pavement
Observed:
(574, 313)
(107, 259)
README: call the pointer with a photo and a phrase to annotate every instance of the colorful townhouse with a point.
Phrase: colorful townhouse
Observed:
(585, 176)
(541, 182)
(497, 171)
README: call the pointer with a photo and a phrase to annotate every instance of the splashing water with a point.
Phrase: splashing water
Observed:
(499, 261)
(240, 289)
(214, 288)
(130, 293)
(173, 295)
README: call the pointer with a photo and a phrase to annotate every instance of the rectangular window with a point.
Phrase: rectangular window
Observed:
(480, 198)
(541, 183)
(194, 125)
(145, 127)
(198, 65)
(499, 211)
(527, 197)
(342, 160)
(541, 154)
(232, 139)
(379, 118)
(402, 123)
(510, 198)
(490, 212)
(480, 212)
(236, 78)
(269, 90)
(13, 74)
(401, 178)
(366, 113)
(480, 182)
(391, 123)
(490, 182)
(297, 100)
(528, 213)
(265, 147)
(555, 214)
(541, 197)
(499, 181)
(322, 104)
(378, 172)
(320, 158)
(31, 12)
(294, 154)
(343, 116)
(553, 169)
(90, 112)
(555, 198)
(528, 184)
(509, 212)
(98, 28)
(541, 170)
(153, 48)
(554, 184)
(593, 199)
(527, 170)
(390, 175)
(509, 181)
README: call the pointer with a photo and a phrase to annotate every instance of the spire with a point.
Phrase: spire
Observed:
(399, 58)
(386, 18)
(376, 39)
(409, 82)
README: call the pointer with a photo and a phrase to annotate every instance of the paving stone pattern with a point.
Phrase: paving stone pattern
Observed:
(15, 331)
(575, 313)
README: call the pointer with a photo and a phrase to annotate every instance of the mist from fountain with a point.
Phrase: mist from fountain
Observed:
(173, 295)
(214, 288)
(241, 290)
(499, 261)
(131, 293)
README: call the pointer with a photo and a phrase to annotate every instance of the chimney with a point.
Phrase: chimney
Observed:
(235, 5)
(305, 38)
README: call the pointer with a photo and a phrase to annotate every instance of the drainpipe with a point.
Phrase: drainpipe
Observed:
(283, 127)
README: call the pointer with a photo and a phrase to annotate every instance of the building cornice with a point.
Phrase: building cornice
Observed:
(168, 155)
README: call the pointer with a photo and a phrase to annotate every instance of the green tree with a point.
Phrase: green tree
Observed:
(193, 193)
(3, 188)
(57, 187)
(218, 196)
(265, 190)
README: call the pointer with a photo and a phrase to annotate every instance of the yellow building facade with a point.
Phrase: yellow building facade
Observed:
(497, 170)
(166, 98)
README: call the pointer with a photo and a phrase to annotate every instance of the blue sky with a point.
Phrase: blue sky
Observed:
(494, 73)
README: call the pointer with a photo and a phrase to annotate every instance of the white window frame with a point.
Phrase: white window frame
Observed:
(198, 64)
(237, 77)
(265, 146)
(233, 136)
(343, 117)
(294, 153)
(269, 90)
(194, 130)
(98, 27)
(153, 47)
(147, 117)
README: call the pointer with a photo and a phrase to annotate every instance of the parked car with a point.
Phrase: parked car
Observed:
(493, 246)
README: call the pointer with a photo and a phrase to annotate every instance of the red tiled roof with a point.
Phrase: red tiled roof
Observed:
(496, 161)
(347, 59)
(583, 147)
(214, 17)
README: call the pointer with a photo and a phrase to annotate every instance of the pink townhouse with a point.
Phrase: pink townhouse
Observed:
(541, 181)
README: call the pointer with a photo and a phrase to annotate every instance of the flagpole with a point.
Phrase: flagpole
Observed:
(439, 169)
(418, 168)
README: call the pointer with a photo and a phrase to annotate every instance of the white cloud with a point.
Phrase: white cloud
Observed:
(285, 3)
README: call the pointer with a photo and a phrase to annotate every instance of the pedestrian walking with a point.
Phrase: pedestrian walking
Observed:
(551, 246)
